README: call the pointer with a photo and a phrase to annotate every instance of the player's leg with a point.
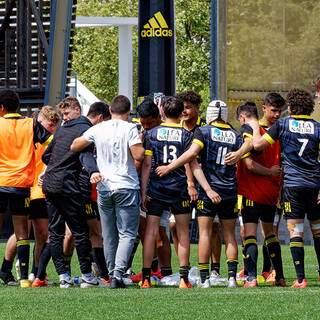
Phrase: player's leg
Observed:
(266, 266)
(173, 231)
(7, 264)
(215, 248)
(68, 248)
(204, 247)
(164, 247)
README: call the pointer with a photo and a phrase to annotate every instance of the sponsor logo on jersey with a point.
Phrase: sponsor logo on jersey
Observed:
(225, 136)
(156, 27)
(169, 134)
(301, 126)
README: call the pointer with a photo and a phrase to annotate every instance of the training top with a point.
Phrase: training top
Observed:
(259, 188)
(166, 143)
(299, 138)
(18, 136)
(113, 139)
(216, 140)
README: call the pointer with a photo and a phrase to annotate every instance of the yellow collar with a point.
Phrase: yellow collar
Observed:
(220, 125)
(12, 115)
(178, 125)
(301, 116)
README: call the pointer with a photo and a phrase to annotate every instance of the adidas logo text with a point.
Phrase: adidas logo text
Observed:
(156, 27)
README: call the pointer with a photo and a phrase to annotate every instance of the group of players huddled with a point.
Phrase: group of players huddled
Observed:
(268, 170)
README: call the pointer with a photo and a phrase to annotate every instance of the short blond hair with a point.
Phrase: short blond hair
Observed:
(49, 113)
(68, 102)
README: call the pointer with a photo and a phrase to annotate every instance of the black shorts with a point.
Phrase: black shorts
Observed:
(253, 211)
(38, 209)
(91, 209)
(156, 207)
(299, 201)
(18, 205)
(225, 210)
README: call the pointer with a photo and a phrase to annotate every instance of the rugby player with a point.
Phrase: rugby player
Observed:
(299, 136)
(259, 184)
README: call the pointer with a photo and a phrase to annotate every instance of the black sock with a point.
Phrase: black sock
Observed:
(133, 252)
(297, 252)
(184, 273)
(6, 266)
(33, 269)
(155, 264)
(43, 261)
(266, 258)
(215, 267)
(316, 241)
(245, 270)
(99, 259)
(232, 268)
(274, 250)
(204, 271)
(146, 272)
(166, 271)
(67, 261)
(23, 251)
(251, 254)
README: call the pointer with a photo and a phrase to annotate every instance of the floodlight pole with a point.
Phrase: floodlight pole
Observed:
(218, 40)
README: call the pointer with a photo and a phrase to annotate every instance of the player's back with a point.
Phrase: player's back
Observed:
(166, 143)
(299, 138)
(220, 139)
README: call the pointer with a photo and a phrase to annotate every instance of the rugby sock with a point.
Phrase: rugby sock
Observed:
(204, 271)
(43, 261)
(215, 267)
(155, 264)
(245, 271)
(99, 259)
(6, 266)
(251, 256)
(33, 269)
(67, 261)
(166, 271)
(184, 272)
(232, 268)
(23, 251)
(316, 240)
(297, 252)
(274, 250)
(133, 252)
(146, 272)
(266, 258)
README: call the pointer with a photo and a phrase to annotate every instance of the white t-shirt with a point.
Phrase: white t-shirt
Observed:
(112, 139)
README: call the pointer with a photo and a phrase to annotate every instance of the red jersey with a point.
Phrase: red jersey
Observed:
(258, 188)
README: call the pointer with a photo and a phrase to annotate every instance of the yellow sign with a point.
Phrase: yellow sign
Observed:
(156, 27)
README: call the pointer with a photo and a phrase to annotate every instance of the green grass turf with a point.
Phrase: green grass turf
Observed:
(264, 302)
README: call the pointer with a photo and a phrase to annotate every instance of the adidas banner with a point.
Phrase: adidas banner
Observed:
(156, 56)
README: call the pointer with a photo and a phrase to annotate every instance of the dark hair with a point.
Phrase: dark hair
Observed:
(120, 105)
(9, 99)
(316, 84)
(69, 102)
(99, 107)
(248, 108)
(300, 101)
(274, 99)
(147, 108)
(173, 107)
(190, 96)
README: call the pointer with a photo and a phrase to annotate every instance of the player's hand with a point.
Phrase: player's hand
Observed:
(193, 194)
(40, 179)
(144, 203)
(162, 171)
(231, 158)
(96, 177)
(276, 171)
(213, 196)
(318, 199)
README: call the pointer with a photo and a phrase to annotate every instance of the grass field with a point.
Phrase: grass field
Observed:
(264, 302)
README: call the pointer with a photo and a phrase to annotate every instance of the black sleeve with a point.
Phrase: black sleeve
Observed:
(198, 135)
(188, 139)
(147, 144)
(274, 131)
(88, 161)
(41, 134)
(246, 130)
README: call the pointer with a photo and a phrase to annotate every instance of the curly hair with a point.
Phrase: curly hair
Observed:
(190, 96)
(68, 102)
(316, 84)
(300, 101)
